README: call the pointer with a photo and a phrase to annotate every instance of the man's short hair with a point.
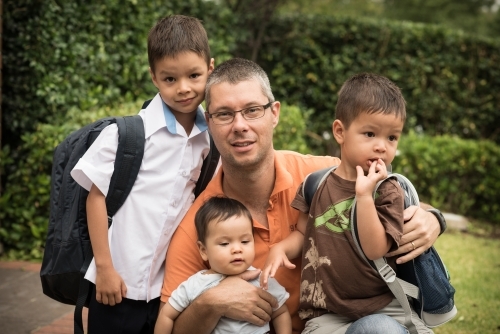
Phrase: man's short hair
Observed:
(236, 70)
(215, 210)
(369, 93)
(175, 34)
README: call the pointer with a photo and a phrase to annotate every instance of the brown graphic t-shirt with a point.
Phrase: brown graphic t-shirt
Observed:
(334, 277)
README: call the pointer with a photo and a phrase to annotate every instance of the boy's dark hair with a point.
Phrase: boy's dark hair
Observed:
(217, 209)
(369, 93)
(175, 34)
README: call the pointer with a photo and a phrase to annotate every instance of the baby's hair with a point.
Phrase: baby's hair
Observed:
(215, 210)
(369, 93)
(175, 34)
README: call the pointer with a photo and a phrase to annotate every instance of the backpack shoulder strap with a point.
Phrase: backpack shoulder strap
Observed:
(131, 140)
(399, 288)
(312, 182)
(129, 154)
(208, 168)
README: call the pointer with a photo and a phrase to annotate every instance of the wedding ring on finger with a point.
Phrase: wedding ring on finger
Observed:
(413, 245)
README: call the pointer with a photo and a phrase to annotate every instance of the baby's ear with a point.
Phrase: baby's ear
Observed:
(203, 250)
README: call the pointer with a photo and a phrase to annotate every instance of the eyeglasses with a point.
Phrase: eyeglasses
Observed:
(250, 113)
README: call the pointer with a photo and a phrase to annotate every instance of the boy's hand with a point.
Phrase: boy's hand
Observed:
(366, 184)
(277, 258)
(110, 287)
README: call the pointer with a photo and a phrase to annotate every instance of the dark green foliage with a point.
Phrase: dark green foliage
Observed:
(451, 81)
(63, 54)
(24, 206)
(290, 133)
(62, 58)
(453, 174)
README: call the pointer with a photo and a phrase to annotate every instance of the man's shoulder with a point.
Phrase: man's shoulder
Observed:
(305, 162)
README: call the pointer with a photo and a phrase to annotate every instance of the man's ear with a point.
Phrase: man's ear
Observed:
(203, 250)
(211, 66)
(338, 131)
(153, 78)
(275, 109)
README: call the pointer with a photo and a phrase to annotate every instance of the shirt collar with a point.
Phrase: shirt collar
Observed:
(171, 122)
(159, 116)
(283, 181)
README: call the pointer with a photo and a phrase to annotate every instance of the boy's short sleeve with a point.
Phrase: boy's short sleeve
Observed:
(390, 210)
(299, 202)
(97, 164)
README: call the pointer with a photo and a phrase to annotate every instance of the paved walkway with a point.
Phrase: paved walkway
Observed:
(24, 309)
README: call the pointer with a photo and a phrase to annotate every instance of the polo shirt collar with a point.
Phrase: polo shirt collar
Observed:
(284, 179)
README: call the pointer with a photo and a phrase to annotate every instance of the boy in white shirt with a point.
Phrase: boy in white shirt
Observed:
(225, 239)
(129, 258)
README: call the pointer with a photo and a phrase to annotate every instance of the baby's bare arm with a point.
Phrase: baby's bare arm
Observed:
(282, 321)
(284, 251)
(166, 318)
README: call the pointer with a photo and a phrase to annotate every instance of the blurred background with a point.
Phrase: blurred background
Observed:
(68, 63)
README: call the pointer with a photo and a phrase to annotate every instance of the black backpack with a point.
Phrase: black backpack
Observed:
(68, 252)
(424, 282)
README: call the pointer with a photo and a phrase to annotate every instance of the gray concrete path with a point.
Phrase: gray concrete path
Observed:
(24, 309)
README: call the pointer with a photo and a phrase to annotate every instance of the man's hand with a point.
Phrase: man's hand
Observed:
(240, 300)
(110, 287)
(419, 233)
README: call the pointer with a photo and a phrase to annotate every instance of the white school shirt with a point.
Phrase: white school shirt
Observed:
(161, 195)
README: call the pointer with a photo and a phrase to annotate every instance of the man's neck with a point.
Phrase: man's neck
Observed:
(252, 187)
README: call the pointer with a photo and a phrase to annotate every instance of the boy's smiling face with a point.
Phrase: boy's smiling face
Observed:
(181, 81)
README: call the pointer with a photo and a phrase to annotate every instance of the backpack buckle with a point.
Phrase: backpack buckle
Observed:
(387, 273)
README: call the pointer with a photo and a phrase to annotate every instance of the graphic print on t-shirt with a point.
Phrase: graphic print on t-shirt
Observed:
(336, 218)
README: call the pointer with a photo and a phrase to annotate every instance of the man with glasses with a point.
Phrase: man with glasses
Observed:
(242, 114)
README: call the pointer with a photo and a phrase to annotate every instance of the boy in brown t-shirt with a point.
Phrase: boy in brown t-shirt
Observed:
(337, 286)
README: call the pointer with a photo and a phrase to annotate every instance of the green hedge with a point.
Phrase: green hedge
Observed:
(453, 174)
(24, 206)
(63, 54)
(291, 131)
(451, 81)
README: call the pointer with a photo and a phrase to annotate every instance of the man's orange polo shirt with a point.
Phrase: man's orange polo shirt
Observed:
(183, 257)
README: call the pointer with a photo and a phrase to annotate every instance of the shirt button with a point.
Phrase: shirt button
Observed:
(184, 173)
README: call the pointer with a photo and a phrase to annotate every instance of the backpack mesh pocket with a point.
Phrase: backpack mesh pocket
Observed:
(434, 283)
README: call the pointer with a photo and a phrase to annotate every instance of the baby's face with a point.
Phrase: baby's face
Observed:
(229, 245)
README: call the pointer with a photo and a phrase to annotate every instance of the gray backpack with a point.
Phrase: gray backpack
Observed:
(424, 282)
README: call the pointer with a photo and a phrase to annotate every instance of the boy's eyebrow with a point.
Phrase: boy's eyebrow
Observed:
(195, 68)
